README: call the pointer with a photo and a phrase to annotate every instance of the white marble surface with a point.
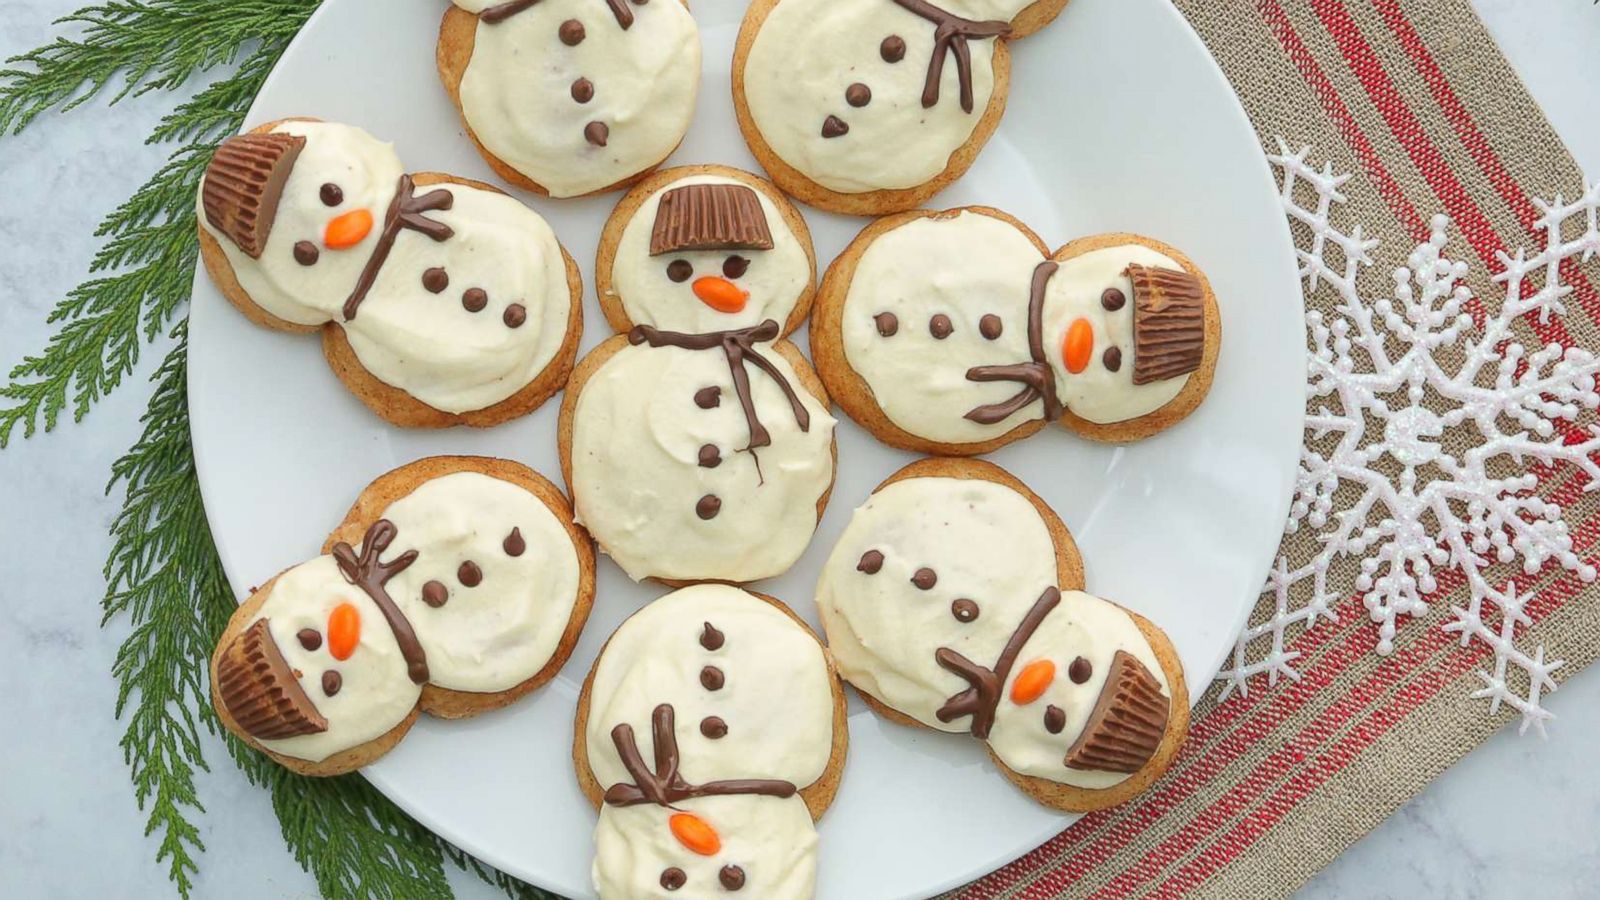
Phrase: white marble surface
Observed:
(1518, 816)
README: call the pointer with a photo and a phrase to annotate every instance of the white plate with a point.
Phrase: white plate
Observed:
(1118, 120)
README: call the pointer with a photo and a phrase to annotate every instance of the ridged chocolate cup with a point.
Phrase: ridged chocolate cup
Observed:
(1127, 723)
(1169, 323)
(258, 690)
(710, 217)
(244, 183)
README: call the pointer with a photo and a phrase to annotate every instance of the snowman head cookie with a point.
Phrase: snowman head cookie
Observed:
(710, 735)
(455, 585)
(954, 600)
(957, 332)
(571, 97)
(705, 248)
(873, 106)
(441, 301)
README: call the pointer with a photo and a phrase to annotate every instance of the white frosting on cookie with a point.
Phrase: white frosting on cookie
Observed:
(1097, 393)
(963, 267)
(427, 344)
(775, 278)
(375, 693)
(365, 170)
(776, 698)
(517, 91)
(984, 542)
(1082, 626)
(430, 345)
(772, 842)
(808, 52)
(494, 635)
(637, 479)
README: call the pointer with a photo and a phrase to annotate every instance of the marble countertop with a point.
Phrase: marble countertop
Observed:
(1518, 815)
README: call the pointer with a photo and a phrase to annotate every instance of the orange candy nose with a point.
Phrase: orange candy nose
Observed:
(695, 833)
(1033, 681)
(720, 294)
(348, 230)
(344, 630)
(1078, 345)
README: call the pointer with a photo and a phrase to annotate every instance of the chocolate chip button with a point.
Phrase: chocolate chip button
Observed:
(596, 133)
(571, 32)
(515, 315)
(990, 327)
(469, 574)
(514, 544)
(939, 326)
(833, 127)
(708, 398)
(434, 593)
(708, 506)
(710, 456)
(583, 90)
(871, 562)
(893, 49)
(858, 95)
(887, 323)
(925, 578)
(475, 299)
(712, 679)
(713, 727)
(435, 279)
(964, 610)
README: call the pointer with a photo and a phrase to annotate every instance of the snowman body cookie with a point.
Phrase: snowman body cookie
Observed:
(957, 332)
(710, 735)
(954, 601)
(873, 106)
(571, 97)
(698, 444)
(440, 301)
(455, 585)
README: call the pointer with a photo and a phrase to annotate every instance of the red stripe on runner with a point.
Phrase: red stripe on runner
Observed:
(1477, 145)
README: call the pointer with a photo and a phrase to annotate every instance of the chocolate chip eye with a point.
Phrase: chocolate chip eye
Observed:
(964, 610)
(310, 638)
(735, 266)
(673, 878)
(332, 194)
(1055, 719)
(732, 877)
(331, 682)
(679, 270)
(871, 562)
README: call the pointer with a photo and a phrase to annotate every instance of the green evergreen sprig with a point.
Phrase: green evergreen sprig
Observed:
(163, 576)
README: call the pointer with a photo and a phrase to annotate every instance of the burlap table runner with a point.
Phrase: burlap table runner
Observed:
(1415, 102)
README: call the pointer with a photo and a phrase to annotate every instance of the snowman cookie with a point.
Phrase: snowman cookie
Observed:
(710, 735)
(957, 332)
(705, 248)
(873, 106)
(455, 585)
(441, 301)
(571, 97)
(954, 601)
(698, 445)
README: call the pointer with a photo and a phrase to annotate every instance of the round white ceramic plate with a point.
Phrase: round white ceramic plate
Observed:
(1118, 120)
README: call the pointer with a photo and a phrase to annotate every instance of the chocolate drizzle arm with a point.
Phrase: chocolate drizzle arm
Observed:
(666, 785)
(1036, 377)
(370, 574)
(405, 211)
(624, 15)
(981, 699)
(739, 347)
(951, 33)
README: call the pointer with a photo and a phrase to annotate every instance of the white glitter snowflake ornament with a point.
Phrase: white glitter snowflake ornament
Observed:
(1435, 411)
